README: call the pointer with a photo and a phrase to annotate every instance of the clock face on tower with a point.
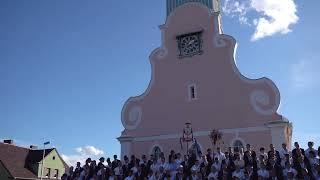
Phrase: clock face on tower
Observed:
(189, 44)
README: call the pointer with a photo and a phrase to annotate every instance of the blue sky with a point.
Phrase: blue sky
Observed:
(67, 67)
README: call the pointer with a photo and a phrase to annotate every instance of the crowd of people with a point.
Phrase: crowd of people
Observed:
(236, 163)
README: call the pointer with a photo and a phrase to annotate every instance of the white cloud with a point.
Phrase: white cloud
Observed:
(89, 151)
(305, 73)
(271, 16)
(234, 8)
(82, 153)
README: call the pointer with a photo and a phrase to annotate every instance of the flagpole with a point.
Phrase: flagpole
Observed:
(44, 152)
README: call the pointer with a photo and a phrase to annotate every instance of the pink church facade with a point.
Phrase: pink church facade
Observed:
(195, 79)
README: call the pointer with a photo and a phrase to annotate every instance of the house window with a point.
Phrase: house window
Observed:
(56, 173)
(192, 92)
(47, 172)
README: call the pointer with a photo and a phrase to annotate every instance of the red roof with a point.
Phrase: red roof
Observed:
(16, 159)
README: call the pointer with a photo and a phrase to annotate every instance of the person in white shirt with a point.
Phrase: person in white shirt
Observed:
(178, 159)
(130, 176)
(194, 175)
(284, 150)
(248, 171)
(310, 148)
(179, 174)
(238, 173)
(213, 175)
(155, 166)
(161, 172)
(263, 173)
(314, 162)
(238, 160)
(286, 159)
(220, 155)
(101, 173)
(134, 169)
(83, 174)
(203, 161)
(157, 175)
(216, 164)
(111, 177)
(289, 169)
(143, 160)
(241, 153)
(118, 169)
(263, 153)
(151, 175)
(171, 167)
(196, 166)
(162, 162)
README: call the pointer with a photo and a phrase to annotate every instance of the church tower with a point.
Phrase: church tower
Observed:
(195, 81)
(212, 5)
(173, 4)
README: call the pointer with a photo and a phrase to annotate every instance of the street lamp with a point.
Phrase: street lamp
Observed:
(44, 152)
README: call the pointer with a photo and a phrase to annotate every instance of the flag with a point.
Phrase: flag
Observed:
(46, 143)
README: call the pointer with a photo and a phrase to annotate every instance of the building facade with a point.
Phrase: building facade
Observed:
(195, 80)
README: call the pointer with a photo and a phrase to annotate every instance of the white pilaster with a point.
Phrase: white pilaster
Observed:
(126, 144)
(280, 133)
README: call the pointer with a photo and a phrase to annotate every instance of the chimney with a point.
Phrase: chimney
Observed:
(33, 147)
(8, 141)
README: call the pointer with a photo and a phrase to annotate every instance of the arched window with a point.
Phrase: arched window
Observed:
(156, 151)
(192, 91)
(237, 145)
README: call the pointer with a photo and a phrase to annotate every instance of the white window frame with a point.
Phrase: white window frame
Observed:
(56, 175)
